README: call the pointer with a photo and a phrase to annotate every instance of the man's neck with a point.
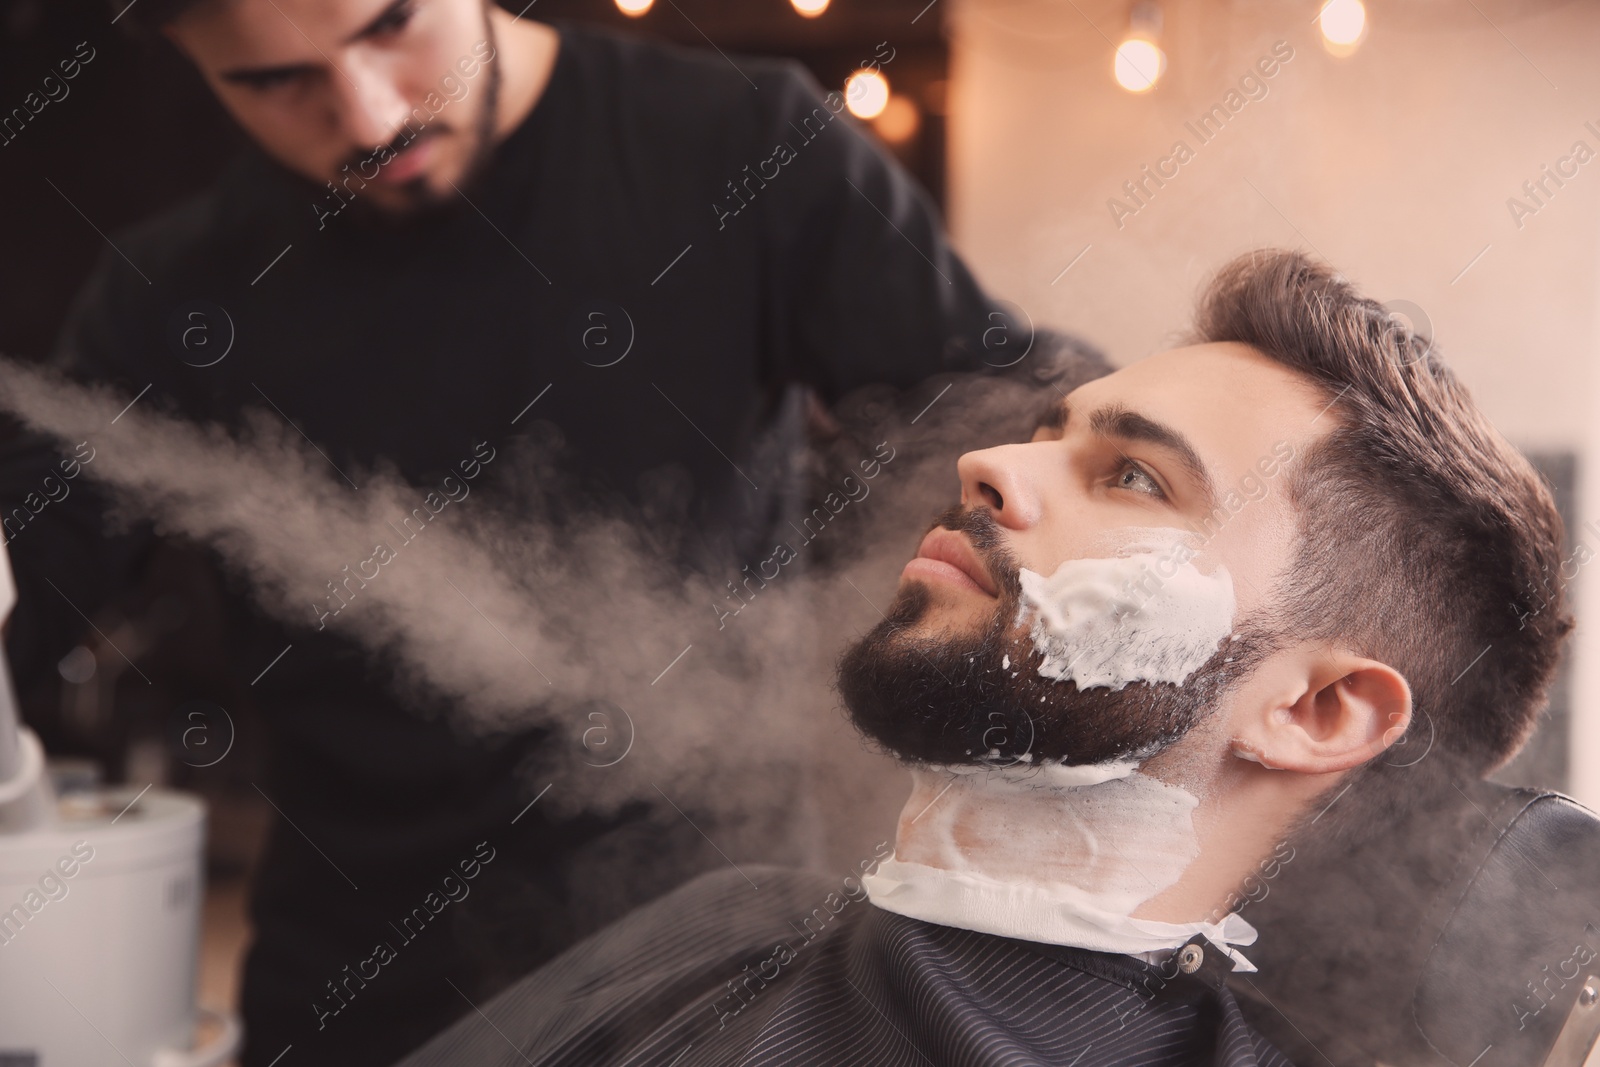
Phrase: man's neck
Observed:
(1119, 837)
(526, 52)
(1126, 842)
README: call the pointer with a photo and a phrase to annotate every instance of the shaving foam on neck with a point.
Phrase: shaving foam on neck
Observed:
(1058, 854)
(1146, 614)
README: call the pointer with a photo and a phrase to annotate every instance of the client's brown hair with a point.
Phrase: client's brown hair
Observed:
(1426, 540)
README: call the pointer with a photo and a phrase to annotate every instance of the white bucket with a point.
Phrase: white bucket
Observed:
(99, 936)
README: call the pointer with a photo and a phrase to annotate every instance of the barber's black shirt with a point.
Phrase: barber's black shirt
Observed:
(732, 233)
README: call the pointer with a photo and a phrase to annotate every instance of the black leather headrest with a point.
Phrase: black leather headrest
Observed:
(1461, 935)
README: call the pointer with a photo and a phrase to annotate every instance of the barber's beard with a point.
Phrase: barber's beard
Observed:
(420, 200)
(977, 698)
(483, 134)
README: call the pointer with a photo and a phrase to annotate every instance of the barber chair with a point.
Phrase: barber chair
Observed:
(1466, 934)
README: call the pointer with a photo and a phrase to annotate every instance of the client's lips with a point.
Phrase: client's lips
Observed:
(948, 555)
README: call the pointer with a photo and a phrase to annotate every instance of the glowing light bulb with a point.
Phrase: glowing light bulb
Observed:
(810, 8)
(634, 8)
(866, 94)
(1343, 24)
(899, 121)
(1138, 65)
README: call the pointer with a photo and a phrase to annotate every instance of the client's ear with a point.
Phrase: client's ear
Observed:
(1338, 713)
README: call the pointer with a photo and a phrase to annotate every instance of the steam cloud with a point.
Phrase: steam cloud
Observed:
(520, 609)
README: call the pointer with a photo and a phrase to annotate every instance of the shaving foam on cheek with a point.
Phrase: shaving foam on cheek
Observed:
(1145, 615)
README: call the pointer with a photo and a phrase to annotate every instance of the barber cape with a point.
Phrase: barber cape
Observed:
(778, 967)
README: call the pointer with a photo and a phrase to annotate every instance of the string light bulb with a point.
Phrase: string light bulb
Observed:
(634, 8)
(866, 93)
(899, 121)
(810, 8)
(1139, 61)
(1343, 24)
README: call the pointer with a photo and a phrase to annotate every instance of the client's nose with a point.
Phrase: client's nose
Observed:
(996, 477)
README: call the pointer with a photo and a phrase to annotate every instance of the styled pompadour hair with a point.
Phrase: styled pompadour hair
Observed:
(1426, 540)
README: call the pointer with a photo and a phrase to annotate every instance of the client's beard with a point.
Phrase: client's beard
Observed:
(951, 698)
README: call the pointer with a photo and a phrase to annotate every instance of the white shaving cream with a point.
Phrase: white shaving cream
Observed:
(1145, 615)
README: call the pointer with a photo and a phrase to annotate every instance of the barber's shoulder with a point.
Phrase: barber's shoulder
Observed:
(188, 237)
(149, 266)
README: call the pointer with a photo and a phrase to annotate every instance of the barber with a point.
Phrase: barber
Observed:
(452, 225)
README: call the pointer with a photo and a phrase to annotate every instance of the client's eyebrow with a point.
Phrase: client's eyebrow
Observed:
(1115, 420)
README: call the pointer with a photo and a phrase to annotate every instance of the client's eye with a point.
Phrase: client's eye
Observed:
(1132, 476)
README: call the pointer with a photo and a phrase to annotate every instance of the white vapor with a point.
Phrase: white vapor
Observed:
(521, 615)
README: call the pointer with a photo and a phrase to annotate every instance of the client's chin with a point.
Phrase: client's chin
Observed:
(937, 695)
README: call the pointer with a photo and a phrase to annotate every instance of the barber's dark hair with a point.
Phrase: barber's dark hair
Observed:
(1426, 540)
(146, 18)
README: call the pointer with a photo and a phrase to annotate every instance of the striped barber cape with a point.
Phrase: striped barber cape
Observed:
(771, 967)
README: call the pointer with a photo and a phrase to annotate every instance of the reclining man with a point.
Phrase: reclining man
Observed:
(1147, 646)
